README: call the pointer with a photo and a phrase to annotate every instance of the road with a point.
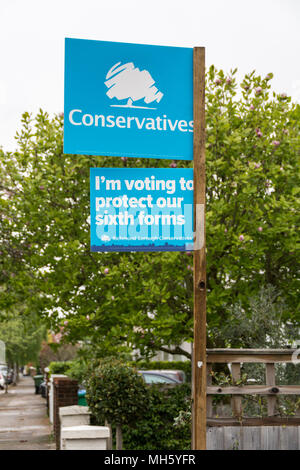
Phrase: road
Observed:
(24, 424)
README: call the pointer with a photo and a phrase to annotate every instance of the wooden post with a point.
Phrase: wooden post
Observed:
(236, 401)
(199, 346)
(270, 381)
(109, 439)
(119, 437)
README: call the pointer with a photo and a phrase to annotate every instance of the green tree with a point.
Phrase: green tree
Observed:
(144, 300)
(22, 337)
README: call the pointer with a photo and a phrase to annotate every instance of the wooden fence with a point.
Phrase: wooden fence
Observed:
(245, 432)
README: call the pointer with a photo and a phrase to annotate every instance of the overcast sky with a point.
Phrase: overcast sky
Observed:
(248, 34)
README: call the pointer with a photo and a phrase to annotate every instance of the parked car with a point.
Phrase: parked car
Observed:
(7, 372)
(174, 374)
(177, 375)
(10, 376)
(2, 381)
(156, 377)
(4, 370)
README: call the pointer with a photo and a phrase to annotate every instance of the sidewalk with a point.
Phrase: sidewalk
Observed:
(24, 424)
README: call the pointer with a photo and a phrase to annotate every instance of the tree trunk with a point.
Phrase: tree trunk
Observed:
(119, 438)
(15, 374)
(18, 376)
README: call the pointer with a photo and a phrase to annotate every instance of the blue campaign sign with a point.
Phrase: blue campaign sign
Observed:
(135, 209)
(128, 100)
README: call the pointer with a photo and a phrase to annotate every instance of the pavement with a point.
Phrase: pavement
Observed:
(24, 424)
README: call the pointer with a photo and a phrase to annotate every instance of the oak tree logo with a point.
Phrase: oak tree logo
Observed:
(127, 82)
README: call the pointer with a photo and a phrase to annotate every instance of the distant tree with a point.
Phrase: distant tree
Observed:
(23, 337)
(56, 353)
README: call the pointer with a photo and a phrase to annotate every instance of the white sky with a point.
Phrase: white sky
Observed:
(248, 34)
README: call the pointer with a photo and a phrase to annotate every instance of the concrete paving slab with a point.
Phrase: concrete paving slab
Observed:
(24, 424)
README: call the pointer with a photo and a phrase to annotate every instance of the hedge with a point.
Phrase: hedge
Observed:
(63, 367)
(156, 430)
(59, 367)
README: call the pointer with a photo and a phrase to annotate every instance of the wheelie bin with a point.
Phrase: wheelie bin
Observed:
(38, 379)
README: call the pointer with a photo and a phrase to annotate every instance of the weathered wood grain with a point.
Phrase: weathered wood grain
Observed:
(288, 438)
(199, 345)
(231, 356)
(270, 382)
(232, 438)
(270, 437)
(215, 438)
(254, 390)
(245, 421)
(236, 401)
(253, 438)
(209, 405)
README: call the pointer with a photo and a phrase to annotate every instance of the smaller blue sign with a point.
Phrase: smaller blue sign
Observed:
(148, 209)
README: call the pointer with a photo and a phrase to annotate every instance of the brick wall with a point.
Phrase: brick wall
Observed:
(65, 394)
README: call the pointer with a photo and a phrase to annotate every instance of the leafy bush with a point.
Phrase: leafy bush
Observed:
(156, 429)
(115, 393)
(260, 327)
(118, 395)
(77, 370)
(59, 367)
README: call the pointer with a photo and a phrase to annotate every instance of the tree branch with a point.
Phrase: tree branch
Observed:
(177, 350)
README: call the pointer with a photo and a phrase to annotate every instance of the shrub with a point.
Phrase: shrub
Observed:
(77, 370)
(115, 393)
(59, 367)
(156, 430)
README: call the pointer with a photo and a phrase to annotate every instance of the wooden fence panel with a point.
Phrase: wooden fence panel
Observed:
(215, 438)
(272, 432)
(288, 438)
(270, 437)
(232, 438)
(253, 438)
